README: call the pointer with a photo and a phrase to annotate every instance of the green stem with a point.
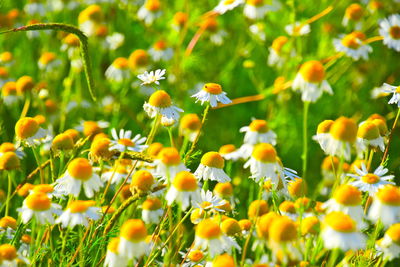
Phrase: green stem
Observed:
(36, 155)
(390, 137)
(171, 137)
(10, 176)
(305, 138)
(153, 130)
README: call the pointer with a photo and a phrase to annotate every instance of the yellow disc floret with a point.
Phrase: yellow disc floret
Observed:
(344, 129)
(348, 195)
(169, 156)
(142, 181)
(134, 230)
(213, 159)
(312, 71)
(208, 229)
(212, 88)
(26, 127)
(265, 153)
(185, 181)
(283, 229)
(80, 169)
(340, 222)
(38, 201)
(389, 195)
(160, 99)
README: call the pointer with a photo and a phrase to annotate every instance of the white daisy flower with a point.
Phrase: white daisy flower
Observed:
(10, 147)
(79, 212)
(132, 243)
(39, 205)
(298, 29)
(160, 103)
(212, 93)
(258, 29)
(395, 90)
(226, 5)
(184, 190)
(229, 152)
(152, 210)
(257, 9)
(115, 40)
(118, 71)
(210, 202)
(168, 163)
(48, 62)
(354, 13)
(378, 92)
(323, 136)
(116, 174)
(390, 30)
(123, 141)
(368, 135)
(160, 51)
(310, 81)
(113, 258)
(79, 174)
(385, 206)
(352, 45)
(211, 168)
(258, 132)
(390, 243)
(340, 232)
(29, 132)
(150, 11)
(371, 182)
(152, 77)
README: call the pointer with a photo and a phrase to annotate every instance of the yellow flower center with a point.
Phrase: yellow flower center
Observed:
(208, 229)
(134, 230)
(121, 63)
(63, 141)
(265, 153)
(160, 99)
(340, 222)
(47, 57)
(395, 32)
(9, 161)
(113, 245)
(195, 255)
(228, 2)
(225, 149)
(344, 129)
(245, 224)
(153, 5)
(223, 260)
(389, 195)
(368, 131)
(100, 148)
(278, 43)
(354, 12)
(260, 126)
(312, 71)
(382, 126)
(370, 178)
(351, 41)
(185, 181)
(169, 156)
(80, 206)
(255, 2)
(80, 169)
(142, 180)
(230, 227)
(310, 225)
(213, 160)
(394, 233)
(264, 224)
(26, 127)
(8, 252)
(6, 56)
(191, 122)
(43, 188)
(347, 195)
(8, 222)
(91, 128)
(9, 88)
(297, 188)
(38, 201)
(260, 206)
(73, 133)
(210, 24)
(180, 18)
(212, 88)
(152, 204)
(282, 229)
(71, 40)
(24, 84)
(287, 206)
(224, 189)
(126, 142)
(138, 58)
(160, 45)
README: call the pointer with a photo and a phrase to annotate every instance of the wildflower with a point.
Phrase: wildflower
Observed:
(7, 59)
(257, 208)
(256, 9)
(258, 132)
(79, 173)
(210, 202)
(385, 206)
(123, 142)
(91, 128)
(211, 168)
(152, 210)
(395, 90)
(152, 77)
(118, 71)
(258, 29)
(224, 190)
(62, 142)
(343, 133)
(184, 189)
(390, 30)
(179, 20)
(168, 163)
(89, 19)
(48, 62)
(212, 93)
(310, 226)
(310, 80)
(113, 258)
(371, 182)
(211, 27)
(138, 60)
(229, 152)
(8, 255)
(38, 205)
(29, 132)
(347, 199)
(100, 149)
(132, 243)
(160, 103)
(264, 224)
(288, 208)
(224, 260)
(9, 93)
(226, 5)
(297, 187)
(378, 92)
(210, 237)
(150, 11)
(115, 175)
(190, 126)
(276, 52)
(79, 212)
(340, 231)
(264, 164)
(115, 40)
(352, 45)
(298, 29)
(142, 181)
(160, 51)
(390, 243)
(9, 161)
(71, 44)
(354, 13)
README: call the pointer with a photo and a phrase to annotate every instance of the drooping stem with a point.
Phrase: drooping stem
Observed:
(390, 137)
(305, 138)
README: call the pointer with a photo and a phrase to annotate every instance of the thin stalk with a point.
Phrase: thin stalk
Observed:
(305, 138)
(390, 137)
(10, 177)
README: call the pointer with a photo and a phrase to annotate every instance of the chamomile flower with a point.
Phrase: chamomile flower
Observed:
(113, 258)
(152, 210)
(48, 62)
(343, 134)
(310, 81)
(39, 205)
(179, 20)
(79, 174)
(390, 30)
(322, 136)
(371, 182)
(92, 128)
(209, 237)
(132, 243)
(9, 256)
(354, 13)
(29, 132)
(352, 45)
(390, 243)
(10, 147)
(9, 93)
(150, 11)
(194, 257)
(395, 90)
(89, 19)
(347, 199)
(212, 93)
(258, 132)
(276, 51)
(340, 232)
(368, 136)
(160, 103)
(142, 182)
(258, 29)
(115, 40)
(226, 5)
(138, 60)
(385, 206)
(79, 212)
(257, 9)
(229, 152)
(211, 167)
(210, 202)
(190, 126)
(184, 190)
(123, 141)
(264, 164)
(35, 8)
(298, 29)
(160, 51)
(118, 71)
(212, 30)
(168, 163)
(152, 77)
